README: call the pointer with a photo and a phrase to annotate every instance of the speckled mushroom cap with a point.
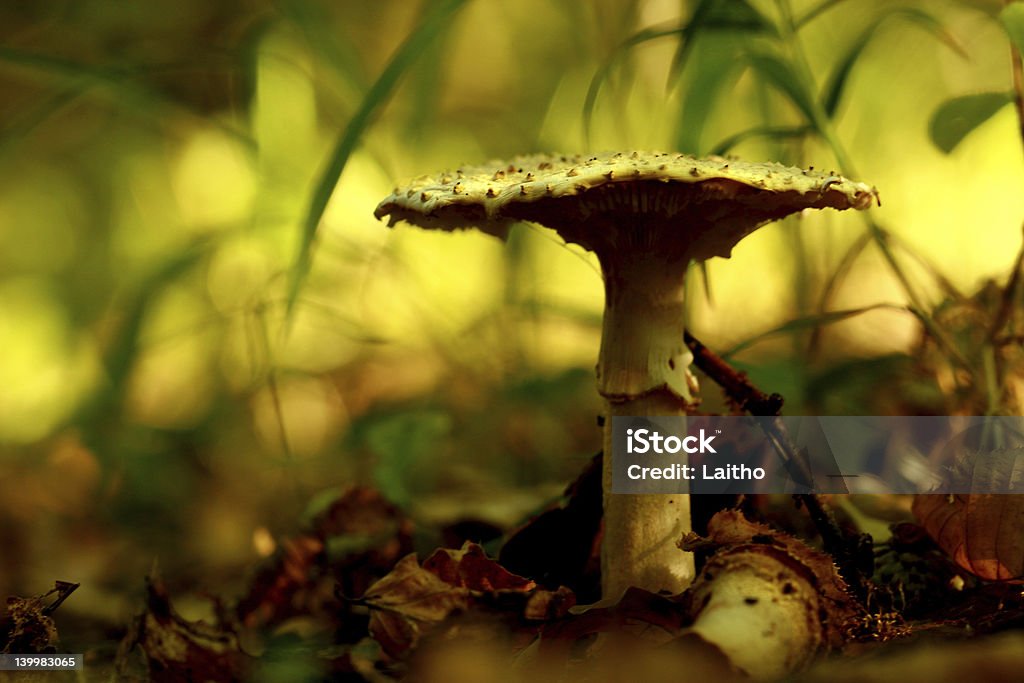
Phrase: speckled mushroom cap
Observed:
(613, 200)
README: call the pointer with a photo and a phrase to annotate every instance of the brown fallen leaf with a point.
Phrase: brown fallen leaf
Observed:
(364, 535)
(179, 650)
(640, 613)
(355, 540)
(406, 602)
(275, 591)
(413, 600)
(471, 568)
(981, 532)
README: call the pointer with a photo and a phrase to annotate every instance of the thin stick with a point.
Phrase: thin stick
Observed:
(740, 390)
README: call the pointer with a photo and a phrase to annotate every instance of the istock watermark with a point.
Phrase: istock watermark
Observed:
(715, 454)
(646, 440)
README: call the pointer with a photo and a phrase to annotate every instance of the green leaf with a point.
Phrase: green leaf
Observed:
(617, 55)
(815, 12)
(784, 78)
(437, 19)
(716, 68)
(833, 91)
(811, 322)
(313, 20)
(710, 15)
(956, 118)
(739, 16)
(1012, 18)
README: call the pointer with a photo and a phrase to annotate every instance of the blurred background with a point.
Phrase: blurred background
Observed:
(185, 368)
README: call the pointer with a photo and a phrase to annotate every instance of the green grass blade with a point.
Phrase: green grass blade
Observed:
(314, 21)
(833, 92)
(99, 414)
(433, 23)
(125, 82)
(685, 46)
(811, 322)
(23, 126)
(784, 78)
(740, 17)
(737, 16)
(601, 75)
(771, 132)
(815, 12)
(715, 69)
(835, 281)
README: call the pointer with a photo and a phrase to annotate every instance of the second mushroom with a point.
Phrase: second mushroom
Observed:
(646, 216)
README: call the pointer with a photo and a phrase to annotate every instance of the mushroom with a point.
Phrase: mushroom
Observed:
(646, 216)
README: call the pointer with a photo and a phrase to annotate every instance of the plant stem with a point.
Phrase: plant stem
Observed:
(827, 130)
(1018, 82)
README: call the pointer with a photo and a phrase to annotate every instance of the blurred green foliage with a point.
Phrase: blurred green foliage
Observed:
(201, 324)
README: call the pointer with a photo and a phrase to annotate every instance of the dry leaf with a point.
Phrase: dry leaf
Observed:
(471, 568)
(413, 599)
(26, 626)
(352, 542)
(181, 650)
(981, 532)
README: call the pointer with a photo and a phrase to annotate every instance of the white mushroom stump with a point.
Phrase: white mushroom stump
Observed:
(766, 600)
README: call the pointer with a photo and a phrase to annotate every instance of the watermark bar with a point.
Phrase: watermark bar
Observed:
(40, 662)
(716, 454)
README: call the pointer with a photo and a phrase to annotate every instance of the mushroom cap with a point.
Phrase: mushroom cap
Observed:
(611, 200)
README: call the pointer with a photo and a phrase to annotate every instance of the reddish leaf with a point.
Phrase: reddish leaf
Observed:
(354, 541)
(471, 568)
(982, 533)
(272, 597)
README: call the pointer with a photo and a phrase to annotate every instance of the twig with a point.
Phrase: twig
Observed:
(848, 552)
(1009, 295)
(737, 387)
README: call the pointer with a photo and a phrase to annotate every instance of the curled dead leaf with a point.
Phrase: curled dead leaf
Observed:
(176, 649)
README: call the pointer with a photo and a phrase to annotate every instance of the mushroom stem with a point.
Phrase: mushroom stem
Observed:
(642, 371)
